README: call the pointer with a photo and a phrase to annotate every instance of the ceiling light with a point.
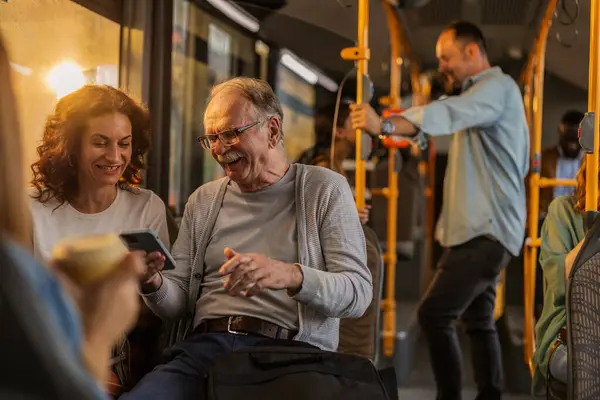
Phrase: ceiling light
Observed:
(66, 78)
(299, 68)
(21, 69)
(236, 14)
(309, 74)
(327, 83)
(516, 53)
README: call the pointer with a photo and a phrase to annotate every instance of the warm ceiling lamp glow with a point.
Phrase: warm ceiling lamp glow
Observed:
(66, 78)
(236, 14)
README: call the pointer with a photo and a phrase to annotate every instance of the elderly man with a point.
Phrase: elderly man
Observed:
(272, 250)
(483, 214)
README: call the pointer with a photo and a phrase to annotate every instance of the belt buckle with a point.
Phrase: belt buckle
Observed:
(234, 332)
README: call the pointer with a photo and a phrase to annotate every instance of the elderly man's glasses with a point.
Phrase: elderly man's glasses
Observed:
(228, 137)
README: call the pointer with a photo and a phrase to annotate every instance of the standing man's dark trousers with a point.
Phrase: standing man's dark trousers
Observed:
(465, 285)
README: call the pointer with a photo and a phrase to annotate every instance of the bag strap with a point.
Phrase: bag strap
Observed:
(279, 360)
(283, 344)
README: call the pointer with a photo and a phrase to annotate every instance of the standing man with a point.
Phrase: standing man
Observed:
(483, 214)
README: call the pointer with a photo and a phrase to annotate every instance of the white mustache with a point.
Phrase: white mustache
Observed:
(228, 157)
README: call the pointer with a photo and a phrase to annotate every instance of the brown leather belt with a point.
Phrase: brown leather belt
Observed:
(241, 325)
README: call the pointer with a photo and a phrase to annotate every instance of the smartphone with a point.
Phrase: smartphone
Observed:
(148, 241)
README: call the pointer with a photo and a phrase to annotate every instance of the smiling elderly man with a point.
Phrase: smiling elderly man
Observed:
(273, 250)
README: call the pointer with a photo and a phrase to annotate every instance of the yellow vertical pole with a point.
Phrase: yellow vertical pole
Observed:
(591, 200)
(362, 70)
(528, 333)
(527, 95)
(389, 305)
(534, 194)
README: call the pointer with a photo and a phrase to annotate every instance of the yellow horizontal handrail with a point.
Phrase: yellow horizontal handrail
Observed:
(550, 182)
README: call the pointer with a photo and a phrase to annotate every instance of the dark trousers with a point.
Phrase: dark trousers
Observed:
(465, 285)
(182, 377)
(557, 374)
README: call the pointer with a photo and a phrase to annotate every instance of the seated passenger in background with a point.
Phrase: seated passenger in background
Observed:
(562, 236)
(106, 309)
(322, 139)
(272, 250)
(343, 141)
(343, 144)
(352, 331)
(560, 161)
(90, 158)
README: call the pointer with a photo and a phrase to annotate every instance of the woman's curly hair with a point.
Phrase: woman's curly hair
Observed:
(580, 190)
(55, 173)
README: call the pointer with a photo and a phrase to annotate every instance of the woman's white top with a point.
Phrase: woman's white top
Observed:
(135, 208)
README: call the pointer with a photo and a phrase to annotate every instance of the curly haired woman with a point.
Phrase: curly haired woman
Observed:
(90, 159)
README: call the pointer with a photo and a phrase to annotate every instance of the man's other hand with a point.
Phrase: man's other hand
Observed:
(249, 273)
(365, 118)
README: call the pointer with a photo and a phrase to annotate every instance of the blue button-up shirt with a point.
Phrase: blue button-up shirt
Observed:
(566, 168)
(484, 190)
(62, 316)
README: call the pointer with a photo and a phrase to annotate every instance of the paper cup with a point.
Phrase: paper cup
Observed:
(88, 258)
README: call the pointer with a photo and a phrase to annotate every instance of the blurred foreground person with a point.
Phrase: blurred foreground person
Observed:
(89, 318)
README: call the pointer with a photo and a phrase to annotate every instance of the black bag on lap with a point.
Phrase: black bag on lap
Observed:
(291, 370)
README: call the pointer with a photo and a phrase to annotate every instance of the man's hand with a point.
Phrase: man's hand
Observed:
(152, 280)
(249, 273)
(363, 214)
(365, 118)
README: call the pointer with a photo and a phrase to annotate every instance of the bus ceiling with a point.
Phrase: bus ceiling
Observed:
(509, 25)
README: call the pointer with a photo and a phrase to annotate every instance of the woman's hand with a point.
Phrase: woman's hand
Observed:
(363, 214)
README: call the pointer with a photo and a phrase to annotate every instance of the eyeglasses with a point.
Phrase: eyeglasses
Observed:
(228, 137)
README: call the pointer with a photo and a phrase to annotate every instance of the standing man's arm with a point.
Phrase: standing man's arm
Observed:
(480, 105)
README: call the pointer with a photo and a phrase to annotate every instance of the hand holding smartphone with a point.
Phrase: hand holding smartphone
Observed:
(148, 241)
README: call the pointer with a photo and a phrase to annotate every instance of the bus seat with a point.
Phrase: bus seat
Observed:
(35, 358)
(360, 336)
(583, 319)
(172, 225)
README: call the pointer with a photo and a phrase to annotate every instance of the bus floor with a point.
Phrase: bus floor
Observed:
(421, 384)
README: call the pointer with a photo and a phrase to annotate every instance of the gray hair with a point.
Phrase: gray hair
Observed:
(258, 92)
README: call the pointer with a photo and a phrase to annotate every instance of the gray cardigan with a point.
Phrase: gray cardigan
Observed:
(331, 247)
